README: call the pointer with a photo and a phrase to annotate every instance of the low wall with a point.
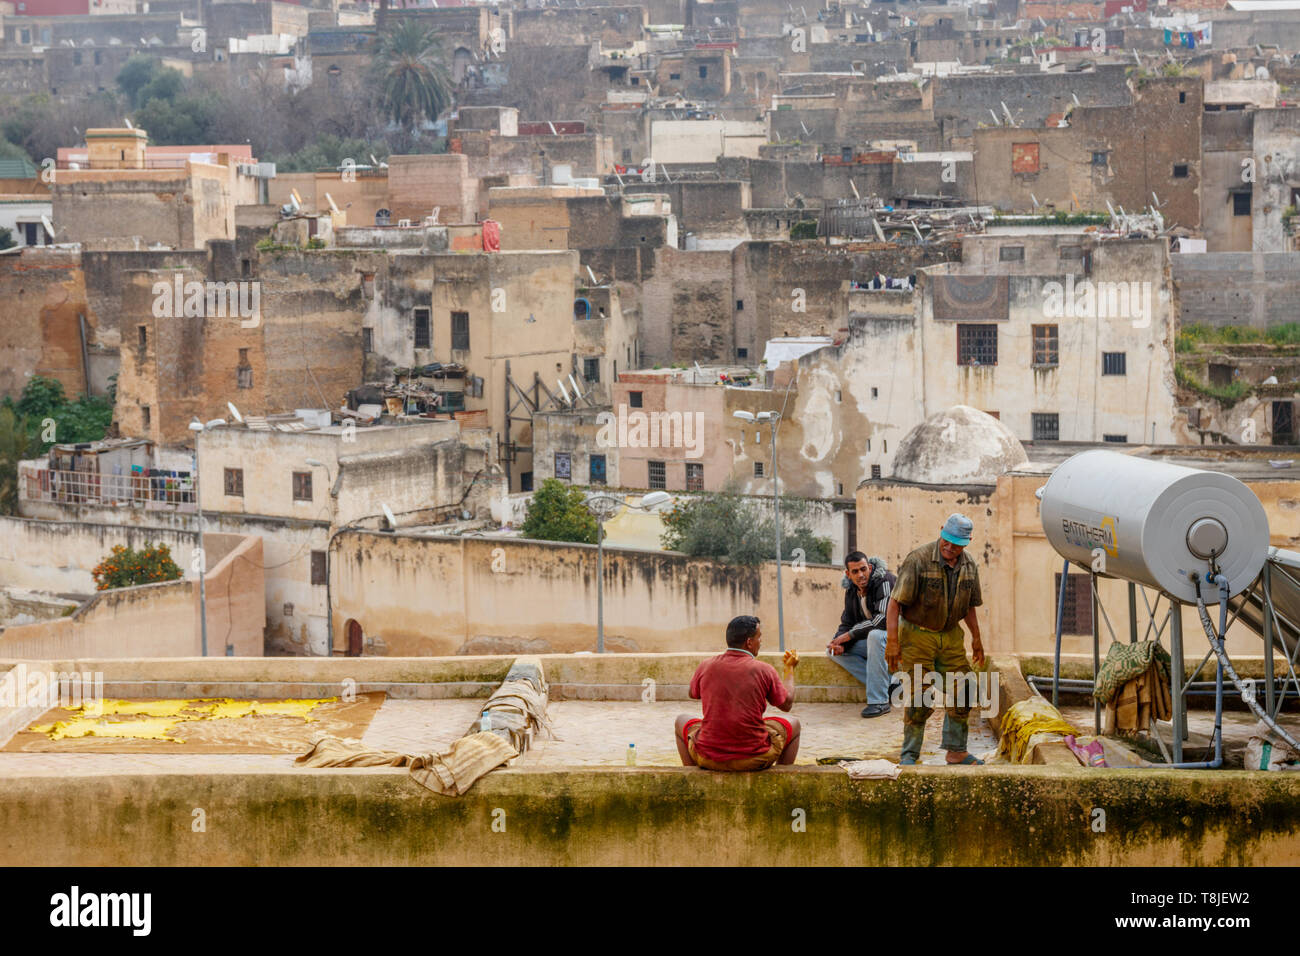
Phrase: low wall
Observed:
(58, 556)
(426, 595)
(1024, 816)
(159, 620)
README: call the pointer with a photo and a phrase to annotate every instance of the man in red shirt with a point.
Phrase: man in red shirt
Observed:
(736, 688)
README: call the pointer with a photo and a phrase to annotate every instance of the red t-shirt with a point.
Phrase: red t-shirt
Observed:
(735, 688)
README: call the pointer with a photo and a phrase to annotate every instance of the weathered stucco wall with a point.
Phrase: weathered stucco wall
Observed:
(419, 596)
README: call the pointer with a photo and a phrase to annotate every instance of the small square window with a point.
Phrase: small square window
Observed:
(875, 472)
(674, 76)
(694, 476)
(563, 465)
(742, 353)
(1046, 426)
(1241, 204)
(1180, 170)
(758, 469)
(704, 73)
(234, 482)
(977, 344)
(1011, 254)
(591, 369)
(634, 399)
(1117, 439)
(740, 305)
(1114, 363)
(1100, 158)
(658, 475)
(302, 486)
(1182, 96)
(318, 567)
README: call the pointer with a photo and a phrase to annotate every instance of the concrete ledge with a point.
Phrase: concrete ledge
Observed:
(1025, 816)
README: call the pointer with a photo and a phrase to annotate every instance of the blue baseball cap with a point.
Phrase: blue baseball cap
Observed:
(957, 530)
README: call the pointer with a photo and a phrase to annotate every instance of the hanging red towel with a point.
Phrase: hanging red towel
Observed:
(491, 235)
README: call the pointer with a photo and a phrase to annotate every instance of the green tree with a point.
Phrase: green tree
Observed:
(558, 513)
(412, 80)
(135, 75)
(6, 239)
(732, 528)
(86, 419)
(15, 445)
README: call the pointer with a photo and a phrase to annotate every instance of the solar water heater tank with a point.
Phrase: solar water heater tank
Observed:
(1154, 522)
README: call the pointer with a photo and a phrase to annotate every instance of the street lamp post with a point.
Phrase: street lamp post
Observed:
(604, 507)
(197, 427)
(773, 418)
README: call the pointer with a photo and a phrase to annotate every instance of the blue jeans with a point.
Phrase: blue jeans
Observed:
(865, 660)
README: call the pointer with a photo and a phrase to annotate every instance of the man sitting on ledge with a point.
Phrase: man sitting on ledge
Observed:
(736, 687)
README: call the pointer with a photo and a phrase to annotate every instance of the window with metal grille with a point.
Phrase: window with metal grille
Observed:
(1047, 350)
(1076, 616)
(563, 465)
(875, 471)
(1100, 158)
(235, 482)
(694, 476)
(460, 331)
(318, 567)
(977, 344)
(1241, 204)
(634, 399)
(367, 340)
(596, 469)
(423, 332)
(302, 486)
(1047, 426)
(591, 369)
(1114, 363)
(1117, 439)
(658, 475)
(758, 469)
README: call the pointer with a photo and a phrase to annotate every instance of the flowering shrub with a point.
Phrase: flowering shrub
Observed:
(125, 567)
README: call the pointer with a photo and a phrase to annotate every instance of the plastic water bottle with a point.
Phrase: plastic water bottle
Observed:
(484, 721)
(631, 755)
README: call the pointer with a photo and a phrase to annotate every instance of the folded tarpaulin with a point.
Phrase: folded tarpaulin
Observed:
(450, 773)
(1022, 725)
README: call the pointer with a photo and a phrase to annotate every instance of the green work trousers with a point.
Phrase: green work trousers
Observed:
(923, 652)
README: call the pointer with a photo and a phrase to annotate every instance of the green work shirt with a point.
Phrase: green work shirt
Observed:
(923, 593)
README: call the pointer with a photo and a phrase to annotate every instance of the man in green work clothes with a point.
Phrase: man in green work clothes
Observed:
(938, 588)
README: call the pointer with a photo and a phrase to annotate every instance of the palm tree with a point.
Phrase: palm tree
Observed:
(412, 80)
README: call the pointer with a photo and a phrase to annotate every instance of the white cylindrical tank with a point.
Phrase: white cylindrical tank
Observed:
(1155, 522)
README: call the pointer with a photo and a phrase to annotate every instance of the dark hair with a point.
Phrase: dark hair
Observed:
(854, 556)
(741, 629)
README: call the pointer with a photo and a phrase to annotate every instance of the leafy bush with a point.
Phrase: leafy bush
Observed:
(735, 529)
(86, 419)
(558, 513)
(1227, 395)
(804, 229)
(126, 567)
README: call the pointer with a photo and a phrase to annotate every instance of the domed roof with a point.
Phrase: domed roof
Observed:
(959, 446)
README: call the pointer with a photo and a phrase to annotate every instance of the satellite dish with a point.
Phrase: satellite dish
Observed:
(388, 515)
(235, 412)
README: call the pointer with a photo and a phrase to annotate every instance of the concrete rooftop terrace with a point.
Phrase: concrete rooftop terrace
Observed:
(572, 800)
